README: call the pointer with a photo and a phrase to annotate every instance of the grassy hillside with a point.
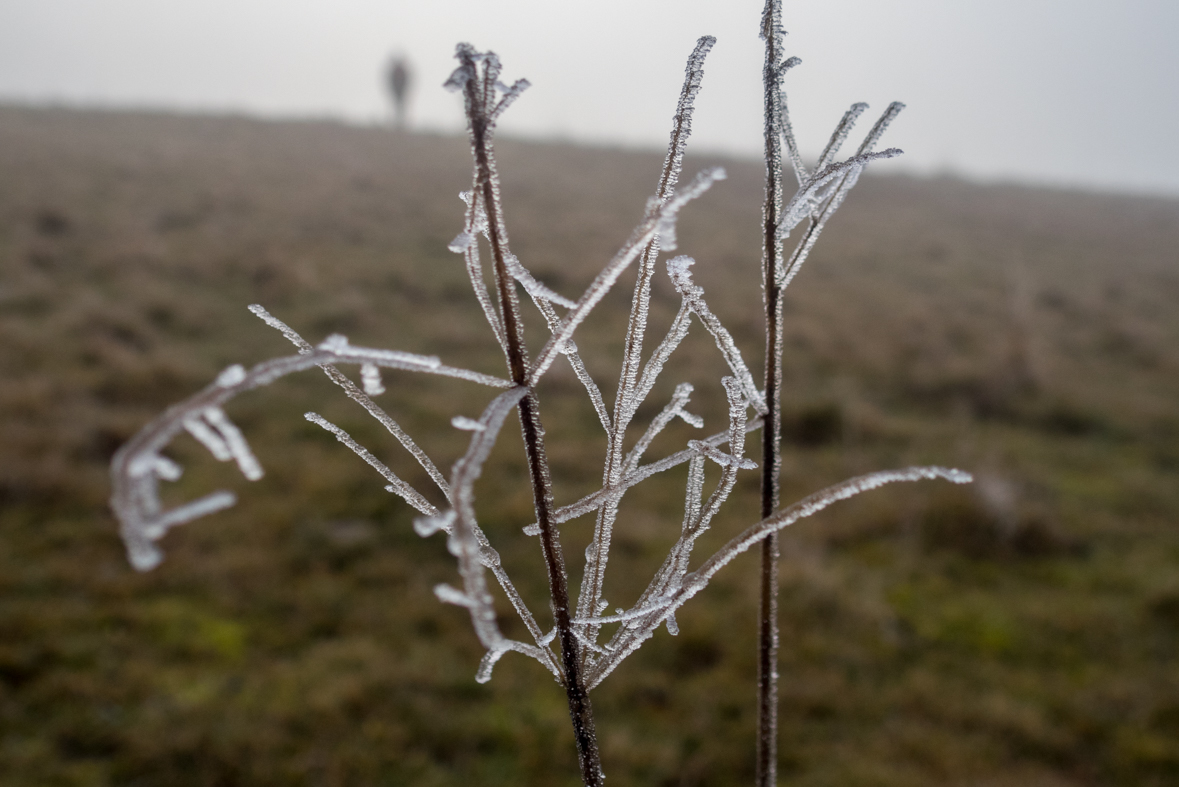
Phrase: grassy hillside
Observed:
(1023, 631)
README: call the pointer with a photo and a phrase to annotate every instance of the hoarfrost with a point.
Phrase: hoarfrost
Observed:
(370, 378)
(466, 424)
(233, 375)
(461, 242)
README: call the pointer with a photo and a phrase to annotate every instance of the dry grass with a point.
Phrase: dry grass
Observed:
(1021, 634)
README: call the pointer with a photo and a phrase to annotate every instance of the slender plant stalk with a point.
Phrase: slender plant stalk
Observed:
(580, 709)
(767, 633)
(636, 329)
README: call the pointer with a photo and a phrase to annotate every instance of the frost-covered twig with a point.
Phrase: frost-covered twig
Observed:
(697, 518)
(631, 390)
(479, 89)
(695, 581)
(135, 466)
(359, 396)
(464, 543)
(595, 500)
(819, 195)
(660, 220)
(396, 485)
(680, 271)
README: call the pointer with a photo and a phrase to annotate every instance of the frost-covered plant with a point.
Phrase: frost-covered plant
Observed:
(583, 645)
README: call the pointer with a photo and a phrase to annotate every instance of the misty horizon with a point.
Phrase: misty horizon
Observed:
(1058, 94)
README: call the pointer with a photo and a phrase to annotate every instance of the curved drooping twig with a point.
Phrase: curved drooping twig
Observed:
(464, 543)
(138, 465)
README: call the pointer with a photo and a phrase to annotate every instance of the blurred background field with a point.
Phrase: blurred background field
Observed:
(1022, 631)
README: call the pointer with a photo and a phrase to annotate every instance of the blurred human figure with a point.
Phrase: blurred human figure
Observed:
(399, 78)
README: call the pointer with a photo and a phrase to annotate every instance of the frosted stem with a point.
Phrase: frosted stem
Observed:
(133, 502)
(478, 96)
(777, 129)
(396, 485)
(660, 220)
(362, 398)
(695, 581)
(679, 269)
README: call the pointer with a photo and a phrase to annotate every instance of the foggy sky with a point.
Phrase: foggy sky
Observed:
(1060, 92)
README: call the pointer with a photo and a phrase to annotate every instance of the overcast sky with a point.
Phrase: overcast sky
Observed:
(1062, 92)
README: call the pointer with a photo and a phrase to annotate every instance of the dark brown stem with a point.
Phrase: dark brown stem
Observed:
(478, 94)
(767, 635)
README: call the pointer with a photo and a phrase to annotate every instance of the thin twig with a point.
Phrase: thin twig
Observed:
(777, 125)
(625, 402)
(478, 92)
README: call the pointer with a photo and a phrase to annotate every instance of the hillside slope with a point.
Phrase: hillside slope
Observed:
(1022, 632)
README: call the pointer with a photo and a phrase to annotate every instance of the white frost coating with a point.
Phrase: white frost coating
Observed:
(881, 126)
(140, 467)
(135, 468)
(720, 457)
(532, 530)
(461, 242)
(396, 485)
(823, 205)
(660, 220)
(697, 519)
(239, 449)
(357, 395)
(466, 543)
(531, 285)
(466, 424)
(596, 500)
(449, 595)
(143, 556)
(510, 95)
(231, 376)
(665, 207)
(140, 538)
(304, 346)
(466, 69)
(154, 465)
(680, 271)
(839, 136)
(338, 344)
(370, 378)
(569, 350)
(197, 427)
(195, 509)
(667, 220)
(803, 204)
(674, 408)
(675, 335)
(476, 222)
(166, 469)
(817, 502)
(696, 581)
(426, 526)
(487, 664)
(652, 606)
